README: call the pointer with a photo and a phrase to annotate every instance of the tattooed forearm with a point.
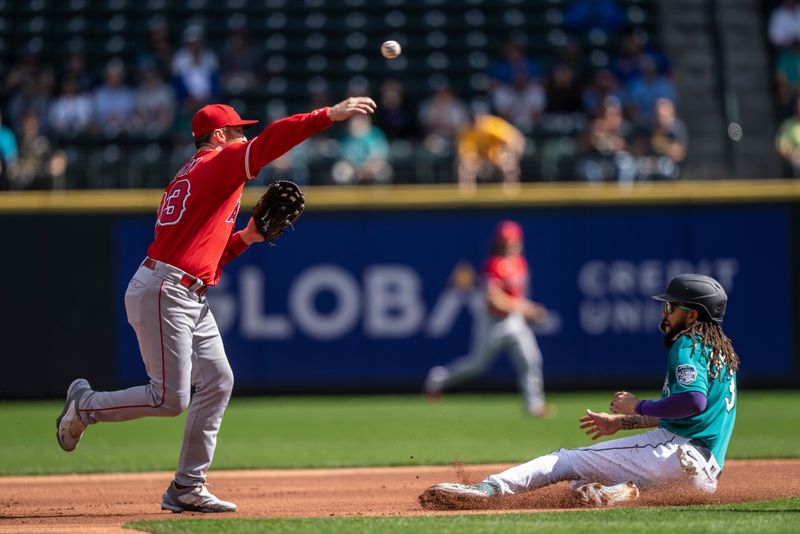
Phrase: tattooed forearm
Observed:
(630, 422)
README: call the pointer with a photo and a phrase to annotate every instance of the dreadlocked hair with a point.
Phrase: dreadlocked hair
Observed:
(718, 345)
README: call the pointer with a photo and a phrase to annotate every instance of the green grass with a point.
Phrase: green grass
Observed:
(357, 431)
(762, 517)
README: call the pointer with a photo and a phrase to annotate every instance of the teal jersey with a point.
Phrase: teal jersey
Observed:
(689, 372)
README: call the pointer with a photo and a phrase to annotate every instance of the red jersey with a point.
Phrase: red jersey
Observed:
(195, 222)
(509, 273)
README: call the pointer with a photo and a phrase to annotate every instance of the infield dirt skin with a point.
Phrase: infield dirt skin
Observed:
(103, 502)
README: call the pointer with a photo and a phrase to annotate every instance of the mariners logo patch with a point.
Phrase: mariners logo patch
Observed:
(685, 374)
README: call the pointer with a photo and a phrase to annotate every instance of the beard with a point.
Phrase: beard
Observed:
(675, 331)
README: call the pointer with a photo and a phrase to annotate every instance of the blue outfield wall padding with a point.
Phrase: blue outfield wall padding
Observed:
(361, 301)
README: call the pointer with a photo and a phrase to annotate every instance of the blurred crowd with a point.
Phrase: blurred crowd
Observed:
(784, 36)
(562, 117)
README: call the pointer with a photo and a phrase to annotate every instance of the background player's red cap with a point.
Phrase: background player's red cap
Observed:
(214, 116)
(508, 231)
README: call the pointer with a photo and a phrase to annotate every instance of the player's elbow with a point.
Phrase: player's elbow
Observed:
(697, 402)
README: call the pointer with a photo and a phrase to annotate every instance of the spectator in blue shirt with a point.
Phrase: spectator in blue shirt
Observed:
(195, 69)
(643, 92)
(627, 65)
(514, 65)
(585, 15)
(787, 76)
(114, 100)
(363, 154)
(604, 85)
(8, 144)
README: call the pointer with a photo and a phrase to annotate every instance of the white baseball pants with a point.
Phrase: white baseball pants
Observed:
(648, 460)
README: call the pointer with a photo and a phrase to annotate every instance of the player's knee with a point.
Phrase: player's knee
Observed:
(222, 385)
(475, 366)
(174, 405)
(228, 379)
(174, 410)
(562, 468)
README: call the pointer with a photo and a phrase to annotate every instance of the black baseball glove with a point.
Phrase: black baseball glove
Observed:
(278, 208)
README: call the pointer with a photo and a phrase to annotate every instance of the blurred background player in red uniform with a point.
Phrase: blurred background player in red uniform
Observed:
(502, 325)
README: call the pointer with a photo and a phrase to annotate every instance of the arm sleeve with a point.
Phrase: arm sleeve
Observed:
(280, 136)
(676, 406)
(234, 247)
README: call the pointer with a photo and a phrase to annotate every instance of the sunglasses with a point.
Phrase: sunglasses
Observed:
(669, 307)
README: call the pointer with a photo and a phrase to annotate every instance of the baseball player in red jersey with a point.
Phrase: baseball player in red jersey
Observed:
(502, 326)
(165, 301)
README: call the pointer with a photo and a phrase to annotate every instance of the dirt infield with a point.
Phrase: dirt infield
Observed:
(103, 502)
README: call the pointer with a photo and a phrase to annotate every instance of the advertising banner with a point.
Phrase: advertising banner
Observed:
(366, 301)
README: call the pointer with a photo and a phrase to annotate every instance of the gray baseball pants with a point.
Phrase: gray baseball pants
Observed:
(491, 335)
(183, 354)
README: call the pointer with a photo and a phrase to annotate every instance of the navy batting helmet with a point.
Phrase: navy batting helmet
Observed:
(700, 290)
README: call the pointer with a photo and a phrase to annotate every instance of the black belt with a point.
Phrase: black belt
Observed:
(701, 447)
(186, 281)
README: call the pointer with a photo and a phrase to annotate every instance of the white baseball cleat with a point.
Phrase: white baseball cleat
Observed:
(194, 499)
(69, 424)
(595, 494)
(688, 464)
(433, 383)
(448, 494)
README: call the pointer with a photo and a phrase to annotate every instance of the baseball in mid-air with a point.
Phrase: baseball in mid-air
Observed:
(735, 131)
(390, 49)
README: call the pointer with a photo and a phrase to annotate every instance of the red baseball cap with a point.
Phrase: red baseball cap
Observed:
(214, 116)
(508, 231)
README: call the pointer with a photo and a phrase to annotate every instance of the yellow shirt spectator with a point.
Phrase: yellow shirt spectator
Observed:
(488, 138)
(787, 140)
(487, 145)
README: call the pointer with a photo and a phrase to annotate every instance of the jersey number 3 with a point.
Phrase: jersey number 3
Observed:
(174, 203)
(730, 403)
